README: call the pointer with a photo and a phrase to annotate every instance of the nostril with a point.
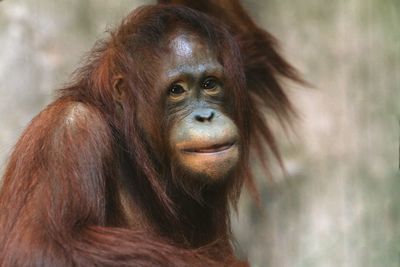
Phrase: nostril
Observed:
(204, 115)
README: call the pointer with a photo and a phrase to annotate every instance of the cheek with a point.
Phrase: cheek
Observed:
(206, 150)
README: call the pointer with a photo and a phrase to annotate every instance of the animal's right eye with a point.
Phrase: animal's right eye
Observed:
(176, 90)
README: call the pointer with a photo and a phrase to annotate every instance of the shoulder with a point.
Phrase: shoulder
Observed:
(77, 115)
(77, 126)
(71, 114)
(72, 118)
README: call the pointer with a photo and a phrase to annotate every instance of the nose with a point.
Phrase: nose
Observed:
(204, 114)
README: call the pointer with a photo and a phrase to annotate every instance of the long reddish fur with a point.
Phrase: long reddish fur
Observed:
(60, 201)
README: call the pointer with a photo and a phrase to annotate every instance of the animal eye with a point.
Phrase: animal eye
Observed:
(176, 89)
(209, 83)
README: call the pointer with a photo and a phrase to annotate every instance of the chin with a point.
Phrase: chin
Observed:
(211, 166)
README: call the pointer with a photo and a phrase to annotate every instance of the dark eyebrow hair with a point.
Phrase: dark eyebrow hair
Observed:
(208, 69)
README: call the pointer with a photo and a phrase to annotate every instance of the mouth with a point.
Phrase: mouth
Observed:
(216, 148)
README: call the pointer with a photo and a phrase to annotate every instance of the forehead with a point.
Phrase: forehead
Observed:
(187, 52)
(183, 44)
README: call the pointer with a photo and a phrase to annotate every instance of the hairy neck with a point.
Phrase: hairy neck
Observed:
(198, 221)
(201, 222)
(195, 225)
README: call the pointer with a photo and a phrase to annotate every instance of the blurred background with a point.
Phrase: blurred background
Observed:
(339, 202)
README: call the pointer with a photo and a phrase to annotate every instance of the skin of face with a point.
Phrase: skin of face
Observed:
(203, 139)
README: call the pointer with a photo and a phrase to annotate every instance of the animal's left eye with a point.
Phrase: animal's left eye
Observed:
(209, 83)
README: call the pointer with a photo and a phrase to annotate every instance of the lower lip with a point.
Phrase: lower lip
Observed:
(210, 151)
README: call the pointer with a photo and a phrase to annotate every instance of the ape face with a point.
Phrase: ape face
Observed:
(203, 140)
